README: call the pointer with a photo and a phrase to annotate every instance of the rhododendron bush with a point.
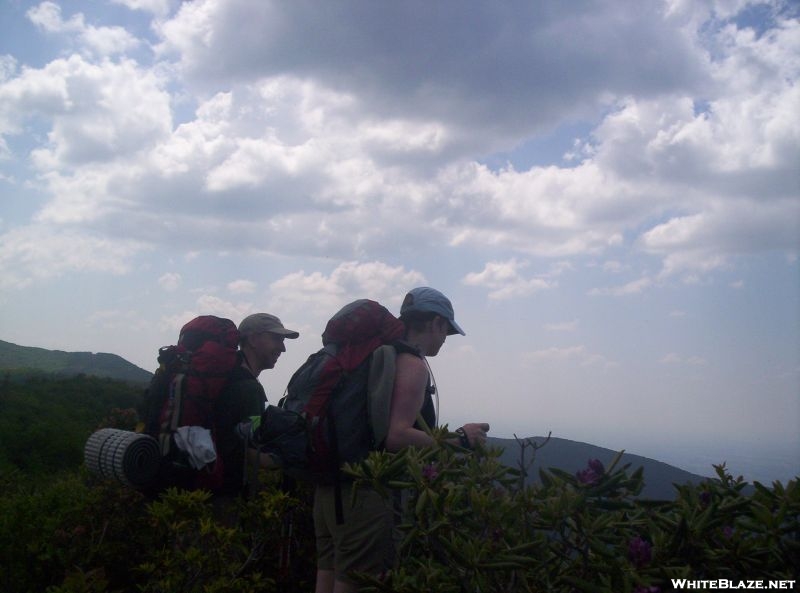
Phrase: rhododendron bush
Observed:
(468, 524)
(471, 524)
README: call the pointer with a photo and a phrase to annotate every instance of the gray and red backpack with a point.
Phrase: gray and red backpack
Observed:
(336, 406)
(190, 377)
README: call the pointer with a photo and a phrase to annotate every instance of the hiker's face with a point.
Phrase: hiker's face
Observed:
(438, 333)
(269, 347)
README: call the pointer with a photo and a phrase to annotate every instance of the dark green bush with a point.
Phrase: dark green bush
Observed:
(79, 535)
(469, 524)
(67, 530)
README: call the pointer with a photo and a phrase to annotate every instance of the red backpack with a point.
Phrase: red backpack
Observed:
(328, 416)
(190, 377)
(330, 389)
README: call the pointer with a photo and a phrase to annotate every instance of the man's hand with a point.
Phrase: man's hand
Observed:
(475, 433)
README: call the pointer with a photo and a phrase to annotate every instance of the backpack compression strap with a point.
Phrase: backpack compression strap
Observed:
(170, 424)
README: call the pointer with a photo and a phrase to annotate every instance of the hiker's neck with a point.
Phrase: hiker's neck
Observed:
(422, 341)
(248, 360)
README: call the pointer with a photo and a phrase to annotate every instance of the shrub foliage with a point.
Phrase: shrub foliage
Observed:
(469, 524)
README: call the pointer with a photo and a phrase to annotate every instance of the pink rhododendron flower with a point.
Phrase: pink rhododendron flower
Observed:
(430, 472)
(592, 474)
(727, 531)
(640, 552)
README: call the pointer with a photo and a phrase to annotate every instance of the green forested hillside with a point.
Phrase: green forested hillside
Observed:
(14, 357)
(45, 420)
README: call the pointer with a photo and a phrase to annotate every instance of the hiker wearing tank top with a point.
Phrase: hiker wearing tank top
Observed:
(363, 542)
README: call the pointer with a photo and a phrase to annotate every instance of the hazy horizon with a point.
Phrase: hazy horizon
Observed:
(763, 462)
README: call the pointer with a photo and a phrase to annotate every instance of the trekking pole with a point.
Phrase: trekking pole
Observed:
(285, 550)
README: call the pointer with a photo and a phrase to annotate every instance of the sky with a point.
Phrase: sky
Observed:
(607, 190)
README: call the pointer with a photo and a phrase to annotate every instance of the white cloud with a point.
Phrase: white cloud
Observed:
(614, 267)
(692, 265)
(8, 67)
(208, 305)
(99, 112)
(670, 358)
(546, 211)
(704, 242)
(729, 166)
(571, 354)
(393, 73)
(102, 40)
(504, 280)
(349, 281)
(156, 7)
(242, 287)
(633, 287)
(556, 354)
(213, 305)
(29, 254)
(170, 281)
(673, 358)
(339, 160)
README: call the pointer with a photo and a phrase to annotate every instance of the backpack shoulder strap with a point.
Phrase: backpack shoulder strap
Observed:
(380, 386)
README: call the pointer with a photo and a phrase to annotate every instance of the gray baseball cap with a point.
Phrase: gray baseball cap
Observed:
(429, 300)
(264, 322)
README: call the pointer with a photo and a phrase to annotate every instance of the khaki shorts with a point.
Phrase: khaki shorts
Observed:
(363, 543)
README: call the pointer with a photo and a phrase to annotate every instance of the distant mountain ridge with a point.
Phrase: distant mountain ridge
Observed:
(564, 454)
(573, 456)
(27, 358)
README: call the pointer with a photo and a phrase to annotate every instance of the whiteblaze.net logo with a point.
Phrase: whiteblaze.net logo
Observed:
(680, 584)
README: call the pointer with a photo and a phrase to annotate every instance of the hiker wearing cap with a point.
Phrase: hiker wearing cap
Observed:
(261, 342)
(429, 318)
(363, 541)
